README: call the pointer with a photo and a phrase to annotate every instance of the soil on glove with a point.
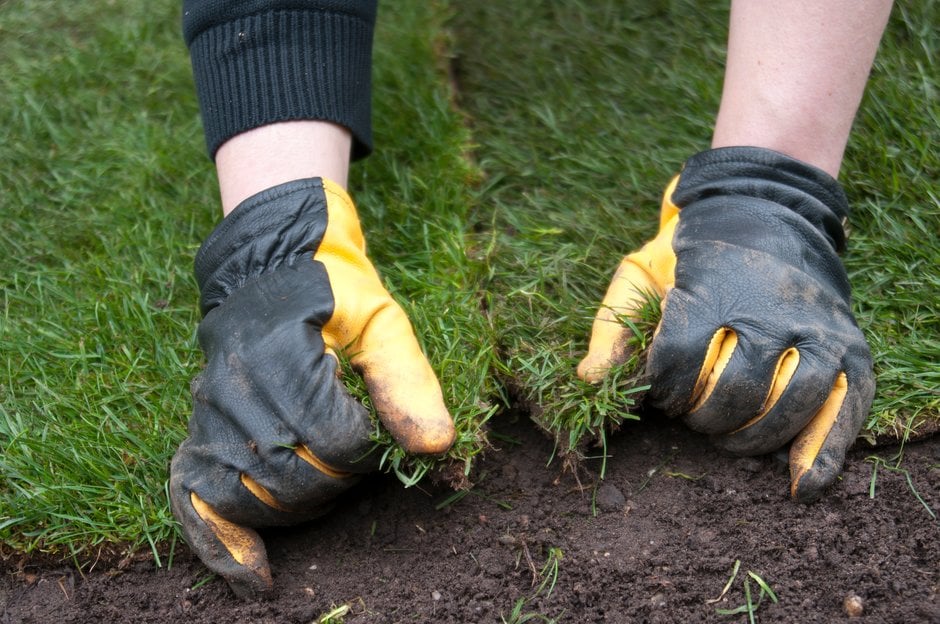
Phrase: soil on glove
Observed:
(656, 541)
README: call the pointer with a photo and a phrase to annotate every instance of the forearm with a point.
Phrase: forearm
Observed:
(795, 75)
(276, 153)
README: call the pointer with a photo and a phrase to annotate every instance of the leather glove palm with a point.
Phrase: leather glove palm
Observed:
(274, 436)
(757, 344)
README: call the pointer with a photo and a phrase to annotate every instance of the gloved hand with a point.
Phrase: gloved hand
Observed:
(757, 344)
(285, 285)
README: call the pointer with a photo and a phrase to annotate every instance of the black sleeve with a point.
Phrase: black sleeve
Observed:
(257, 62)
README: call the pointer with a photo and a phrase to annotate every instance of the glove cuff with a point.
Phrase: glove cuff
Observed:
(765, 174)
(262, 233)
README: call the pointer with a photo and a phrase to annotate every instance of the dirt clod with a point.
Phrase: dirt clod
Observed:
(610, 498)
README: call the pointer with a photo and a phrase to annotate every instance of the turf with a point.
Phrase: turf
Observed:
(891, 171)
(583, 111)
(415, 194)
(105, 192)
(497, 228)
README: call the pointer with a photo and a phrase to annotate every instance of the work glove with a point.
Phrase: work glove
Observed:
(757, 344)
(274, 436)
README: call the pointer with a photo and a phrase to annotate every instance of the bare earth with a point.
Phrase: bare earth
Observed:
(656, 542)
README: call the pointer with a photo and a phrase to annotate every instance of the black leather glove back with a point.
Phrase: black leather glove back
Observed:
(274, 436)
(757, 344)
(253, 421)
(758, 229)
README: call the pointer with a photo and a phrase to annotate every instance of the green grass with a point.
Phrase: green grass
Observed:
(498, 228)
(415, 195)
(891, 169)
(751, 604)
(583, 111)
(546, 577)
(577, 141)
(104, 194)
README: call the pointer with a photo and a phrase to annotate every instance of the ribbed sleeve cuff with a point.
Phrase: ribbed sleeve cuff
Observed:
(285, 65)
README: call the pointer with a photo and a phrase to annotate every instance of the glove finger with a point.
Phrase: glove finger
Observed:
(687, 358)
(234, 552)
(799, 387)
(731, 384)
(818, 452)
(645, 273)
(746, 402)
(264, 482)
(279, 490)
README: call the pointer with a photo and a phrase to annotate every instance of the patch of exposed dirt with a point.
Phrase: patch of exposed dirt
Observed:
(655, 542)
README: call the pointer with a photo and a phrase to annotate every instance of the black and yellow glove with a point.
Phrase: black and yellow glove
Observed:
(285, 285)
(757, 344)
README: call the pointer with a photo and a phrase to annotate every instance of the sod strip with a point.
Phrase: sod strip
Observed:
(892, 172)
(106, 194)
(416, 193)
(583, 111)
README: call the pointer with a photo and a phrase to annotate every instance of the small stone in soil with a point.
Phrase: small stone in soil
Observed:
(609, 498)
(853, 605)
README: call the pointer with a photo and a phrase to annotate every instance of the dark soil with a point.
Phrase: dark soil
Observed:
(655, 542)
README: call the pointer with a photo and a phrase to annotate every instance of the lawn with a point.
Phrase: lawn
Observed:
(505, 187)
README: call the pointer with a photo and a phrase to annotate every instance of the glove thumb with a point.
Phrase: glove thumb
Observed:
(402, 385)
(372, 330)
(648, 271)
